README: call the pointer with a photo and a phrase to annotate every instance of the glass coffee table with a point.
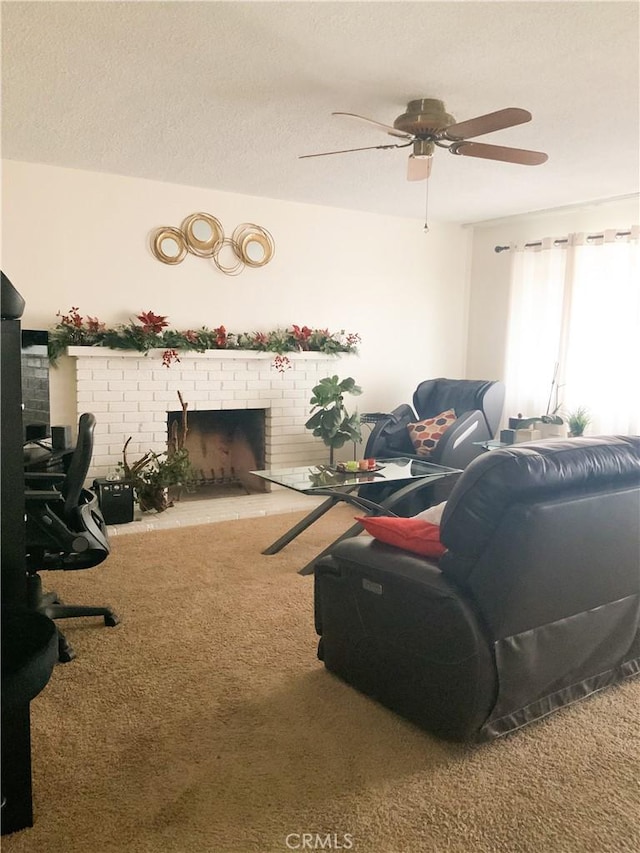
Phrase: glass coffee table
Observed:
(323, 480)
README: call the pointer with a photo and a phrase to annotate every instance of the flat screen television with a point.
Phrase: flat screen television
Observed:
(36, 413)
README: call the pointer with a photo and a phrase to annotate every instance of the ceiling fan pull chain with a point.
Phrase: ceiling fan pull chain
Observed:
(426, 209)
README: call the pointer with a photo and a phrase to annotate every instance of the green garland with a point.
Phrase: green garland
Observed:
(153, 333)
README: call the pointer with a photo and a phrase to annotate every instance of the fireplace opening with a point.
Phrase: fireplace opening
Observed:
(223, 445)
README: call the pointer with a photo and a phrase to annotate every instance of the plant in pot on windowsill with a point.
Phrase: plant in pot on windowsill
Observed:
(578, 420)
(330, 420)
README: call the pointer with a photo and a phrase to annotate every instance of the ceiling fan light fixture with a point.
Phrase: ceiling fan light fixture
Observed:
(419, 168)
(422, 148)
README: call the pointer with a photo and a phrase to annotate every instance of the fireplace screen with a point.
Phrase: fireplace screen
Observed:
(223, 447)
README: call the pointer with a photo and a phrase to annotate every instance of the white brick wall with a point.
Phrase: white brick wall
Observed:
(130, 395)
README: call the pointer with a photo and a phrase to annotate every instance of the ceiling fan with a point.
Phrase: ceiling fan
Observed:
(426, 124)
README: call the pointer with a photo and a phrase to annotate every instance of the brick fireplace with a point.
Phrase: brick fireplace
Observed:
(132, 394)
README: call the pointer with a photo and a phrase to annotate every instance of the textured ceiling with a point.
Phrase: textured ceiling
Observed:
(227, 95)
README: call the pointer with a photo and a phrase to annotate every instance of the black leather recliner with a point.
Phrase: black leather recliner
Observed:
(535, 604)
(65, 530)
(478, 405)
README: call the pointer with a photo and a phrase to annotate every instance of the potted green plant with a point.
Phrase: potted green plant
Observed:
(154, 474)
(330, 420)
(578, 420)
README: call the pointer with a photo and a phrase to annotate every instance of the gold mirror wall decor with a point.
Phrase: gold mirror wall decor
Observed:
(254, 244)
(237, 264)
(202, 232)
(169, 245)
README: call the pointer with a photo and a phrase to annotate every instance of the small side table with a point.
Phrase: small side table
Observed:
(371, 419)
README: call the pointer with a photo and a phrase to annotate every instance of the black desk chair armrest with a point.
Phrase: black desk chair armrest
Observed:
(41, 509)
(42, 496)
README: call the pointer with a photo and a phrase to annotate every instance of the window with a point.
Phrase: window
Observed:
(575, 314)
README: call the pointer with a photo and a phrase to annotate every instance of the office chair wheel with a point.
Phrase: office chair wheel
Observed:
(112, 620)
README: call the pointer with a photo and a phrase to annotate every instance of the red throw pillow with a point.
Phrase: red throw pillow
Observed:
(426, 434)
(410, 534)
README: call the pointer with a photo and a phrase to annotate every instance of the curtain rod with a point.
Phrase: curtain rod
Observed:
(499, 249)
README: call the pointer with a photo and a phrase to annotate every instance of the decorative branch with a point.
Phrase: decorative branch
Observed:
(179, 433)
(131, 471)
(184, 423)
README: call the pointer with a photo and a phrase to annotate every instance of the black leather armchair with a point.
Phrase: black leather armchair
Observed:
(65, 530)
(535, 604)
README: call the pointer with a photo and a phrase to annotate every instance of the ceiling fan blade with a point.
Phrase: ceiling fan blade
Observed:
(499, 152)
(386, 127)
(419, 168)
(347, 150)
(508, 117)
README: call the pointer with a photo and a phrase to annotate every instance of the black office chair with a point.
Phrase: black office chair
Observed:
(65, 531)
(478, 407)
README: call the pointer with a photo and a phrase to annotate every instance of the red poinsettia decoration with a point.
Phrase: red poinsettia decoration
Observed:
(71, 319)
(301, 335)
(221, 337)
(152, 323)
(94, 325)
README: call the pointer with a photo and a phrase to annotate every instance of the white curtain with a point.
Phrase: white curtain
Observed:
(575, 313)
(535, 326)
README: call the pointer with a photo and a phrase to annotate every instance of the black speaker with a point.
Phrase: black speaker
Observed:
(61, 437)
(116, 500)
(36, 432)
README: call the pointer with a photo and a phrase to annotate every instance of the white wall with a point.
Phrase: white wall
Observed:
(77, 238)
(490, 272)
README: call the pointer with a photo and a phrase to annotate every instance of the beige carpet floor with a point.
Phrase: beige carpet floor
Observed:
(204, 723)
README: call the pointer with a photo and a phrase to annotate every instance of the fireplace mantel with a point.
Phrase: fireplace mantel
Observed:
(222, 354)
(130, 394)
